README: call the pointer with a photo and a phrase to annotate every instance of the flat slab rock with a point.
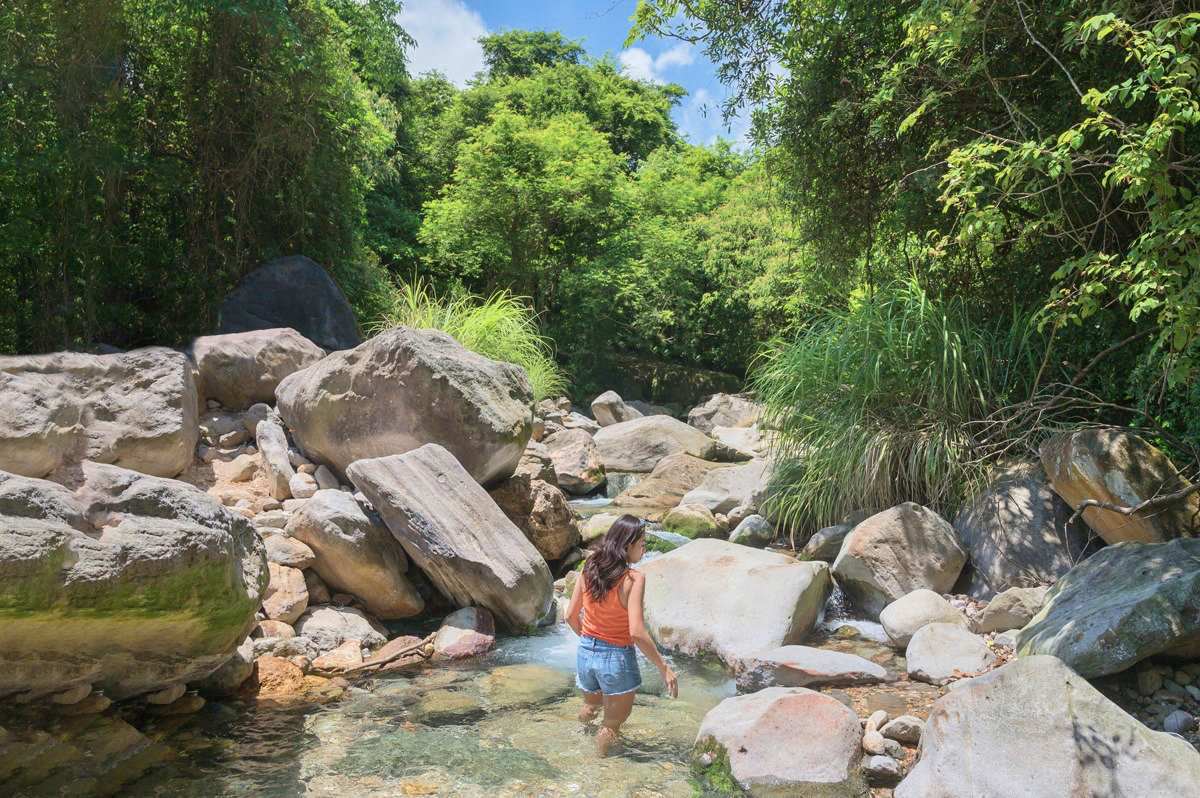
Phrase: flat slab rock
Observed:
(804, 666)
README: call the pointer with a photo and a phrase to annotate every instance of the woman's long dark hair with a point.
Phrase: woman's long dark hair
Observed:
(607, 564)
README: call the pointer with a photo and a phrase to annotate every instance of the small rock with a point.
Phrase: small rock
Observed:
(232, 439)
(287, 596)
(188, 704)
(1012, 609)
(277, 629)
(297, 459)
(754, 531)
(881, 771)
(342, 599)
(904, 729)
(873, 742)
(302, 485)
(253, 415)
(307, 468)
(274, 519)
(168, 695)
(241, 469)
(347, 655)
(1183, 677)
(468, 632)
(942, 652)
(288, 551)
(91, 705)
(1179, 722)
(326, 479)
(1149, 681)
(205, 454)
(877, 719)
(893, 748)
(902, 618)
(212, 404)
(72, 695)
(318, 591)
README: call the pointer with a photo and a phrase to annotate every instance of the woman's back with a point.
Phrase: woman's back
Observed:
(608, 618)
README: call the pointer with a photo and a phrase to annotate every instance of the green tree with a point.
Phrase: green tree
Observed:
(519, 53)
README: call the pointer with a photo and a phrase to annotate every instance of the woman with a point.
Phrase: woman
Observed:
(608, 595)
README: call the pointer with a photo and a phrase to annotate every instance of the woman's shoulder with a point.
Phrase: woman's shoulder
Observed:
(635, 576)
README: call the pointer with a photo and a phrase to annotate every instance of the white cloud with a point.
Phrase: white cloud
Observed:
(640, 65)
(446, 32)
(701, 121)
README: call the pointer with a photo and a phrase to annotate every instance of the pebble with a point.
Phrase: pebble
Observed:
(326, 479)
(1149, 681)
(307, 468)
(275, 519)
(296, 459)
(873, 742)
(877, 719)
(303, 485)
(893, 748)
(1183, 677)
(233, 439)
(72, 695)
(904, 729)
(1179, 722)
(89, 706)
(168, 695)
(881, 771)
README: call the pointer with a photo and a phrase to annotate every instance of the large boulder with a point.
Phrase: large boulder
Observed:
(240, 369)
(725, 488)
(895, 552)
(577, 466)
(664, 487)
(291, 292)
(1016, 534)
(356, 554)
(640, 444)
(734, 601)
(540, 510)
(453, 530)
(782, 741)
(1012, 609)
(608, 408)
(138, 410)
(405, 388)
(1118, 467)
(1121, 605)
(1036, 729)
(724, 410)
(129, 583)
(803, 666)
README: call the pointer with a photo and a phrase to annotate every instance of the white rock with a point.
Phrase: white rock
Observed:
(942, 652)
(903, 617)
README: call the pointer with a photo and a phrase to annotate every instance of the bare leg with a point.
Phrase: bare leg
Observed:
(616, 712)
(591, 707)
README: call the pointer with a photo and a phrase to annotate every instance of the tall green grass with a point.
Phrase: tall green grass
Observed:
(875, 405)
(500, 326)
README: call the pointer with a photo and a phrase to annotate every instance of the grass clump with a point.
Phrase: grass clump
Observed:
(501, 327)
(876, 404)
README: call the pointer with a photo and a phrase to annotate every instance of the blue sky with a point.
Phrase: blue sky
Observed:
(446, 31)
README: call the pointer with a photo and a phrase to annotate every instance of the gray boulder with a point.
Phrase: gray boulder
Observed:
(722, 489)
(1123, 604)
(1012, 609)
(783, 741)
(130, 583)
(803, 666)
(895, 552)
(240, 369)
(700, 596)
(1036, 729)
(405, 388)
(356, 554)
(453, 530)
(724, 410)
(608, 408)
(942, 652)
(827, 542)
(577, 466)
(329, 627)
(137, 410)
(640, 444)
(292, 292)
(1118, 467)
(1016, 534)
(755, 531)
(903, 617)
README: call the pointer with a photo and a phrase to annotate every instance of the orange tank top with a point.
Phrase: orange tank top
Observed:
(607, 619)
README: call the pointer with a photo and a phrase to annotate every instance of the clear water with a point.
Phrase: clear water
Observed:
(503, 726)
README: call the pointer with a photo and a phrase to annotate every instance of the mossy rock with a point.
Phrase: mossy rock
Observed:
(692, 521)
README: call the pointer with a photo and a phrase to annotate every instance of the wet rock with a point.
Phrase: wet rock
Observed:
(240, 369)
(287, 596)
(803, 666)
(754, 531)
(465, 633)
(942, 652)
(1012, 609)
(144, 581)
(896, 552)
(785, 741)
(577, 466)
(724, 410)
(1118, 467)
(1036, 729)
(640, 444)
(725, 488)
(699, 596)
(285, 550)
(1016, 534)
(903, 617)
(228, 679)
(456, 534)
(404, 389)
(295, 292)
(356, 554)
(691, 521)
(1123, 604)
(138, 410)
(608, 408)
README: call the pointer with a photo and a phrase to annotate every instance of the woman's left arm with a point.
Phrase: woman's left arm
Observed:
(575, 608)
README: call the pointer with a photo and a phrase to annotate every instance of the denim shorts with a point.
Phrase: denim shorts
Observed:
(602, 667)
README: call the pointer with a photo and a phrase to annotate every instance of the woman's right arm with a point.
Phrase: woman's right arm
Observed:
(575, 608)
(641, 636)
